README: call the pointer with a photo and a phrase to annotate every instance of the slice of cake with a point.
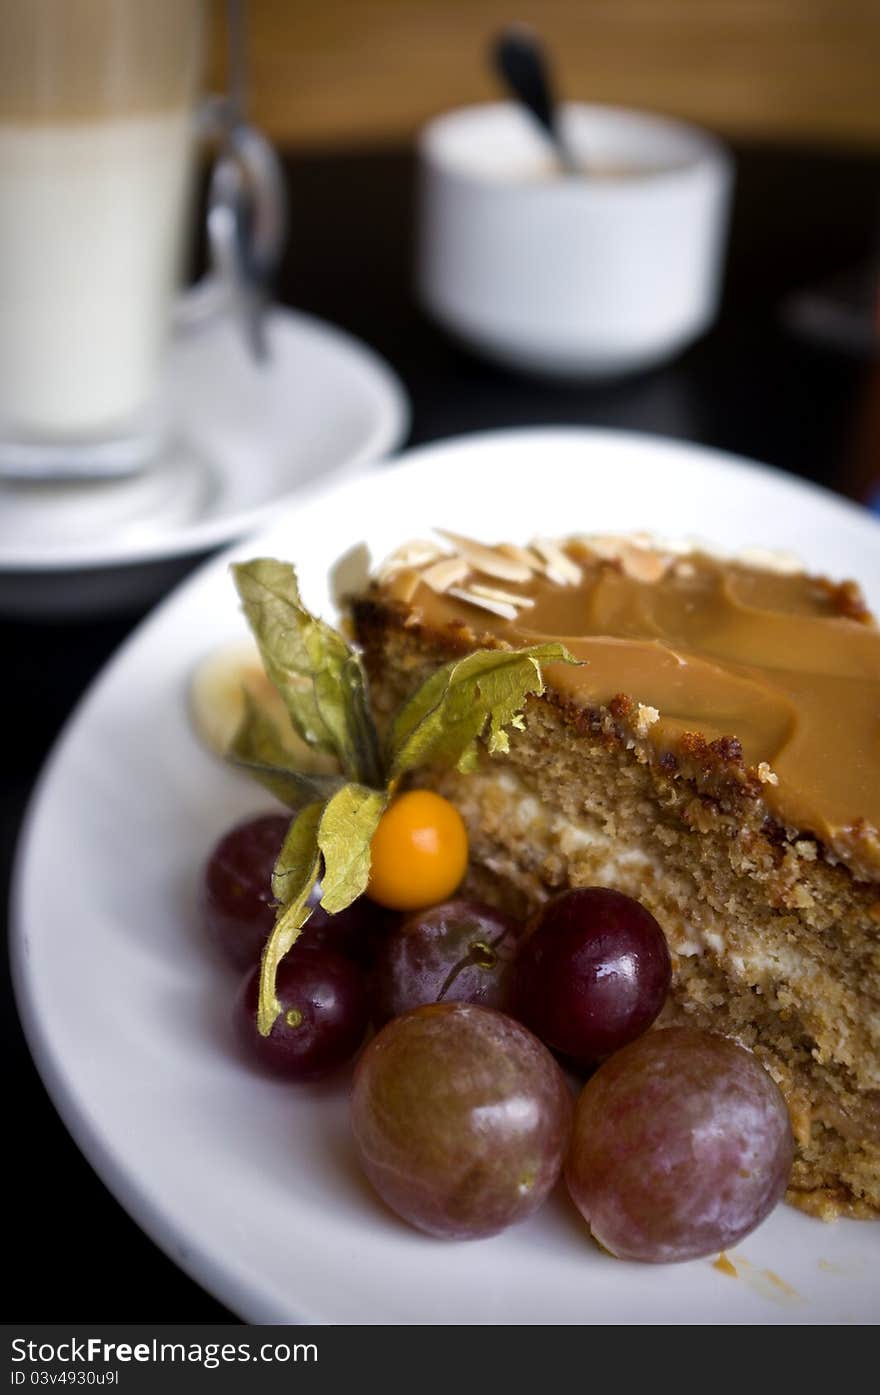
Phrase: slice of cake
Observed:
(717, 755)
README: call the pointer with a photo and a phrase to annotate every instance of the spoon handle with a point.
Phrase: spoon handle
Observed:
(520, 61)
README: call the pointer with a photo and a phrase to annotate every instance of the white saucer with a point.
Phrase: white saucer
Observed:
(243, 439)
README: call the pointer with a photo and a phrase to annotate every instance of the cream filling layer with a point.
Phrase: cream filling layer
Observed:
(524, 833)
(592, 855)
(608, 860)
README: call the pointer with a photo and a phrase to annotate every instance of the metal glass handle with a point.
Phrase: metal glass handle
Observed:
(246, 222)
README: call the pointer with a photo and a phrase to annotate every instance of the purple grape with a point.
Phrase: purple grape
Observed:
(461, 1119)
(458, 952)
(353, 932)
(238, 908)
(324, 1014)
(682, 1144)
(237, 904)
(593, 973)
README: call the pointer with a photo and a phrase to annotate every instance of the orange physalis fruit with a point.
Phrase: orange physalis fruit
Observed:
(419, 852)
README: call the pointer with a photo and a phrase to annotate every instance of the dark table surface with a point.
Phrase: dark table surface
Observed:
(750, 386)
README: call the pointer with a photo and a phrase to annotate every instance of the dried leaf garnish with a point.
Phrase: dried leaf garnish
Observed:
(467, 701)
(344, 837)
(319, 675)
(296, 873)
(258, 747)
(315, 670)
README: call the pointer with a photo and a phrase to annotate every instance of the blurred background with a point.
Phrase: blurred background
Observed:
(346, 73)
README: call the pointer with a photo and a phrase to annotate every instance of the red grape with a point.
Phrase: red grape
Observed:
(457, 952)
(461, 1119)
(682, 1144)
(237, 904)
(324, 1014)
(353, 932)
(238, 908)
(592, 974)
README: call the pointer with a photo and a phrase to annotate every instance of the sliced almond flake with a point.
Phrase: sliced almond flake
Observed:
(643, 565)
(608, 546)
(449, 571)
(505, 611)
(521, 554)
(402, 586)
(770, 560)
(639, 554)
(560, 567)
(488, 559)
(494, 593)
(417, 553)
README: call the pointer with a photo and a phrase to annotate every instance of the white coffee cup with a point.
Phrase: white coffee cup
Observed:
(586, 275)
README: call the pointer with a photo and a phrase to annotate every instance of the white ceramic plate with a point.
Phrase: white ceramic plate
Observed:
(250, 1185)
(243, 439)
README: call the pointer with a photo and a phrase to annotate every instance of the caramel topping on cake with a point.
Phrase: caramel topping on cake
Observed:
(786, 663)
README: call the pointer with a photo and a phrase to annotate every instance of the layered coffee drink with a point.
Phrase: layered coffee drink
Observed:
(96, 145)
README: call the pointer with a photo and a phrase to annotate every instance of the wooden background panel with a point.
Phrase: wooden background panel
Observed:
(362, 71)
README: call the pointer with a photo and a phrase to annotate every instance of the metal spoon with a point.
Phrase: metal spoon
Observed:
(519, 59)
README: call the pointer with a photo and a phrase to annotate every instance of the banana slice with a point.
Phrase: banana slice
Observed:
(216, 703)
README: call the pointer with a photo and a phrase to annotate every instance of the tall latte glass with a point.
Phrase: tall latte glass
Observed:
(97, 104)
